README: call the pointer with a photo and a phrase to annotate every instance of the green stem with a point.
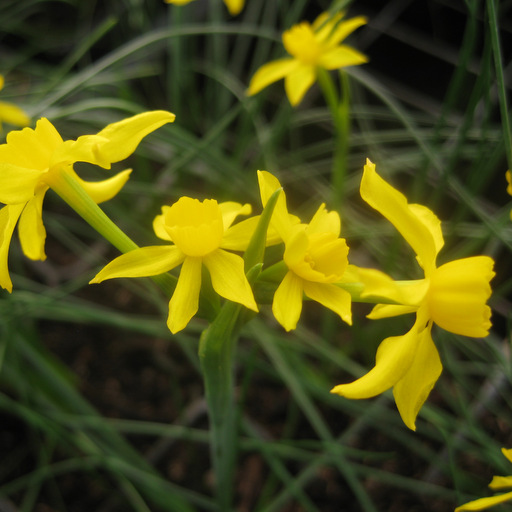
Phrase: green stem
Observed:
(339, 107)
(70, 190)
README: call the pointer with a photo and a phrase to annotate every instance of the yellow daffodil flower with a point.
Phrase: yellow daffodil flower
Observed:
(234, 6)
(34, 160)
(311, 47)
(10, 113)
(498, 483)
(508, 176)
(314, 255)
(199, 231)
(452, 296)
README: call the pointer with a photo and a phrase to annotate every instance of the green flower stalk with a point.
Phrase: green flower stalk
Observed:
(34, 160)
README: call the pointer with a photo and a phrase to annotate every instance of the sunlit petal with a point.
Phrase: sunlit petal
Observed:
(234, 6)
(393, 359)
(228, 277)
(420, 229)
(31, 229)
(231, 210)
(325, 221)
(389, 310)
(159, 224)
(12, 114)
(185, 300)
(270, 73)
(341, 57)
(298, 82)
(342, 30)
(508, 453)
(142, 262)
(287, 303)
(332, 297)
(500, 482)
(413, 388)
(9, 216)
(18, 184)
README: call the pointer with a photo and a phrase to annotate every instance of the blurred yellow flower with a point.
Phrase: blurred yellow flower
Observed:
(10, 113)
(497, 484)
(315, 256)
(199, 232)
(452, 296)
(34, 160)
(311, 47)
(234, 6)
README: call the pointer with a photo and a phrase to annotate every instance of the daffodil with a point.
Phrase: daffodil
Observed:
(509, 187)
(10, 113)
(34, 160)
(453, 296)
(310, 47)
(234, 6)
(315, 259)
(498, 483)
(199, 232)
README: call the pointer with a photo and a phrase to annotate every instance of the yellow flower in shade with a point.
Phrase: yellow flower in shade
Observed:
(508, 176)
(311, 47)
(314, 255)
(33, 160)
(452, 296)
(234, 6)
(200, 232)
(10, 113)
(498, 483)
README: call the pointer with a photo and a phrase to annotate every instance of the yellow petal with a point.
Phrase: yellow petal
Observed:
(458, 294)
(325, 222)
(508, 176)
(281, 220)
(418, 225)
(12, 114)
(9, 216)
(287, 303)
(103, 190)
(142, 262)
(298, 82)
(178, 2)
(238, 236)
(124, 136)
(485, 503)
(389, 310)
(85, 149)
(159, 224)
(342, 57)
(2, 81)
(228, 277)
(507, 453)
(185, 300)
(500, 482)
(31, 229)
(332, 297)
(18, 184)
(231, 210)
(234, 6)
(394, 357)
(334, 32)
(270, 73)
(413, 388)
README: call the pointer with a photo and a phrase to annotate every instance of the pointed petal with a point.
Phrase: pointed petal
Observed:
(342, 57)
(2, 81)
(389, 310)
(234, 6)
(298, 82)
(231, 210)
(332, 297)
(18, 184)
(31, 229)
(101, 191)
(85, 149)
(507, 453)
(418, 225)
(142, 262)
(12, 114)
(228, 277)
(185, 300)
(485, 503)
(287, 303)
(325, 222)
(9, 216)
(413, 388)
(237, 237)
(393, 359)
(334, 32)
(270, 73)
(500, 482)
(124, 136)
